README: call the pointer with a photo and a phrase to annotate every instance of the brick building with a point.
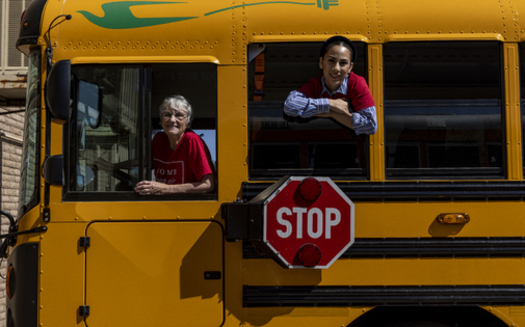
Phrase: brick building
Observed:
(13, 82)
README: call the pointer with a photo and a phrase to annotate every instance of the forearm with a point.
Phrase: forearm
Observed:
(206, 184)
(197, 187)
(362, 122)
(298, 105)
(342, 118)
(365, 121)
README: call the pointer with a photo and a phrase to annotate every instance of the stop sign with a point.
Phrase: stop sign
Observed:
(308, 222)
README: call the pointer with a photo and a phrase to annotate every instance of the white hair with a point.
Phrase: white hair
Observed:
(177, 102)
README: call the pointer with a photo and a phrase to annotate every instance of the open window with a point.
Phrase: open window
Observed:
(443, 110)
(115, 114)
(281, 145)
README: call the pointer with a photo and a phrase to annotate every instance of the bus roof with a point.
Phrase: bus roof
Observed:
(221, 30)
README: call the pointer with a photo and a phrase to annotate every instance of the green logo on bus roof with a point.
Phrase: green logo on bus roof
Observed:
(117, 15)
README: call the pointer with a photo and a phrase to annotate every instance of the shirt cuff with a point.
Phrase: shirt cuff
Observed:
(323, 106)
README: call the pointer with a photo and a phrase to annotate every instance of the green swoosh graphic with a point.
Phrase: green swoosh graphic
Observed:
(117, 15)
(260, 3)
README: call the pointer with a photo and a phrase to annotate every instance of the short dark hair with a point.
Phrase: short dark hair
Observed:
(342, 41)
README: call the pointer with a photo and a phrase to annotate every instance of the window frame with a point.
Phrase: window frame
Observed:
(432, 172)
(361, 141)
(145, 135)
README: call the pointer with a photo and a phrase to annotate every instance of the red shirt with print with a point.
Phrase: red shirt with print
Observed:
(189, 163)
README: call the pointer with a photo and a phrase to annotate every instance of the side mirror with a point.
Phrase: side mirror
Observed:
(58, 91)
(54, 170)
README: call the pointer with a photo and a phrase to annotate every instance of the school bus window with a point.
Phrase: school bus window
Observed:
(443, 115)
(282, 145)
(116, 115)
(30, 152)
(522, 95)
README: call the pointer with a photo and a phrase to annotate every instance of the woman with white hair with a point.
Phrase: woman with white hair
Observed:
(181, 160)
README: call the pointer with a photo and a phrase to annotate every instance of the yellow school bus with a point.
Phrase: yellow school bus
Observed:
(437, 191)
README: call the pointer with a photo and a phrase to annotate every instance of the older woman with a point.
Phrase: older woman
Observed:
(181, 160)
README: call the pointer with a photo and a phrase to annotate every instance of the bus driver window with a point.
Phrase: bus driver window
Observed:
(115, 116)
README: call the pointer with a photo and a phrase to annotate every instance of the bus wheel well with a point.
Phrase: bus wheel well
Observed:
(428, 317)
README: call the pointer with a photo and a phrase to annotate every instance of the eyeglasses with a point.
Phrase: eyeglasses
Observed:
(166, 115)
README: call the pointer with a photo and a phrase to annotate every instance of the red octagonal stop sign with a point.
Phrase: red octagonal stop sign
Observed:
(315, 230)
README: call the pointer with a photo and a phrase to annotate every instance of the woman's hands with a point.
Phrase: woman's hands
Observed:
(340, 112)
(339, 106)
(150, 187)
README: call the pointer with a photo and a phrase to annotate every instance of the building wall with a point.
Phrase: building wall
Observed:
(13, 83)
(11, 131)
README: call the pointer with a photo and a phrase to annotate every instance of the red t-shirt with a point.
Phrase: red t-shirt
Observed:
(189, 162)
(358, 92)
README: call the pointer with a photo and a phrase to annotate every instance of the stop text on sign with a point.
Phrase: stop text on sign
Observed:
(318, 223)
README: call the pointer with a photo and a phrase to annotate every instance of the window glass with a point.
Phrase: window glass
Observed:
(115, 117)
(522, 95)
(443, 110)
(106, 127)
(281, 145)
(30, 153)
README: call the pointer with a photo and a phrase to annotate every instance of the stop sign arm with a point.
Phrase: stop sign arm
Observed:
(244, 220)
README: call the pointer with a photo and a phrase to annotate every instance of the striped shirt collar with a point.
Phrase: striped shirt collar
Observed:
(342, 89)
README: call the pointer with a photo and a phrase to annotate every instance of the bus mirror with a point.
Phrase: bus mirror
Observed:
(58, 91)
(53, 170)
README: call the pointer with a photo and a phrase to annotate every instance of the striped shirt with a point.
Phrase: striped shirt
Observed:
(363, 119)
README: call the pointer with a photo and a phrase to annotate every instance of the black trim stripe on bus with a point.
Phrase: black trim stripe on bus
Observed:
(464, 247)
(417, 191)
(344, 296)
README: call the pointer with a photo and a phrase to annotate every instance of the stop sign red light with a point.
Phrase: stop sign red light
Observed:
(305, 228)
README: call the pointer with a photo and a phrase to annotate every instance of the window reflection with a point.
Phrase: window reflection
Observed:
(443, 116)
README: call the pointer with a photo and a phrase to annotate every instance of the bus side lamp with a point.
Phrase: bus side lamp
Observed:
(309, 255)
(453, 218)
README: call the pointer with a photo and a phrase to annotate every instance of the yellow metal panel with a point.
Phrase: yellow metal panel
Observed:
(512, 111)
(233, 131)
(375, 81)
(139, 272)
(487, 219)
(373, 272)
(448, 18)
(290, 316)
(61, 275)
(145, 59)
(343, 17)
(161, 29)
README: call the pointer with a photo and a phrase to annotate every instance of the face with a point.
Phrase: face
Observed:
(174, 121)
(336, 65)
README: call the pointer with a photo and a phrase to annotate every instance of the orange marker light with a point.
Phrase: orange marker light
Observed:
(453, 218)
